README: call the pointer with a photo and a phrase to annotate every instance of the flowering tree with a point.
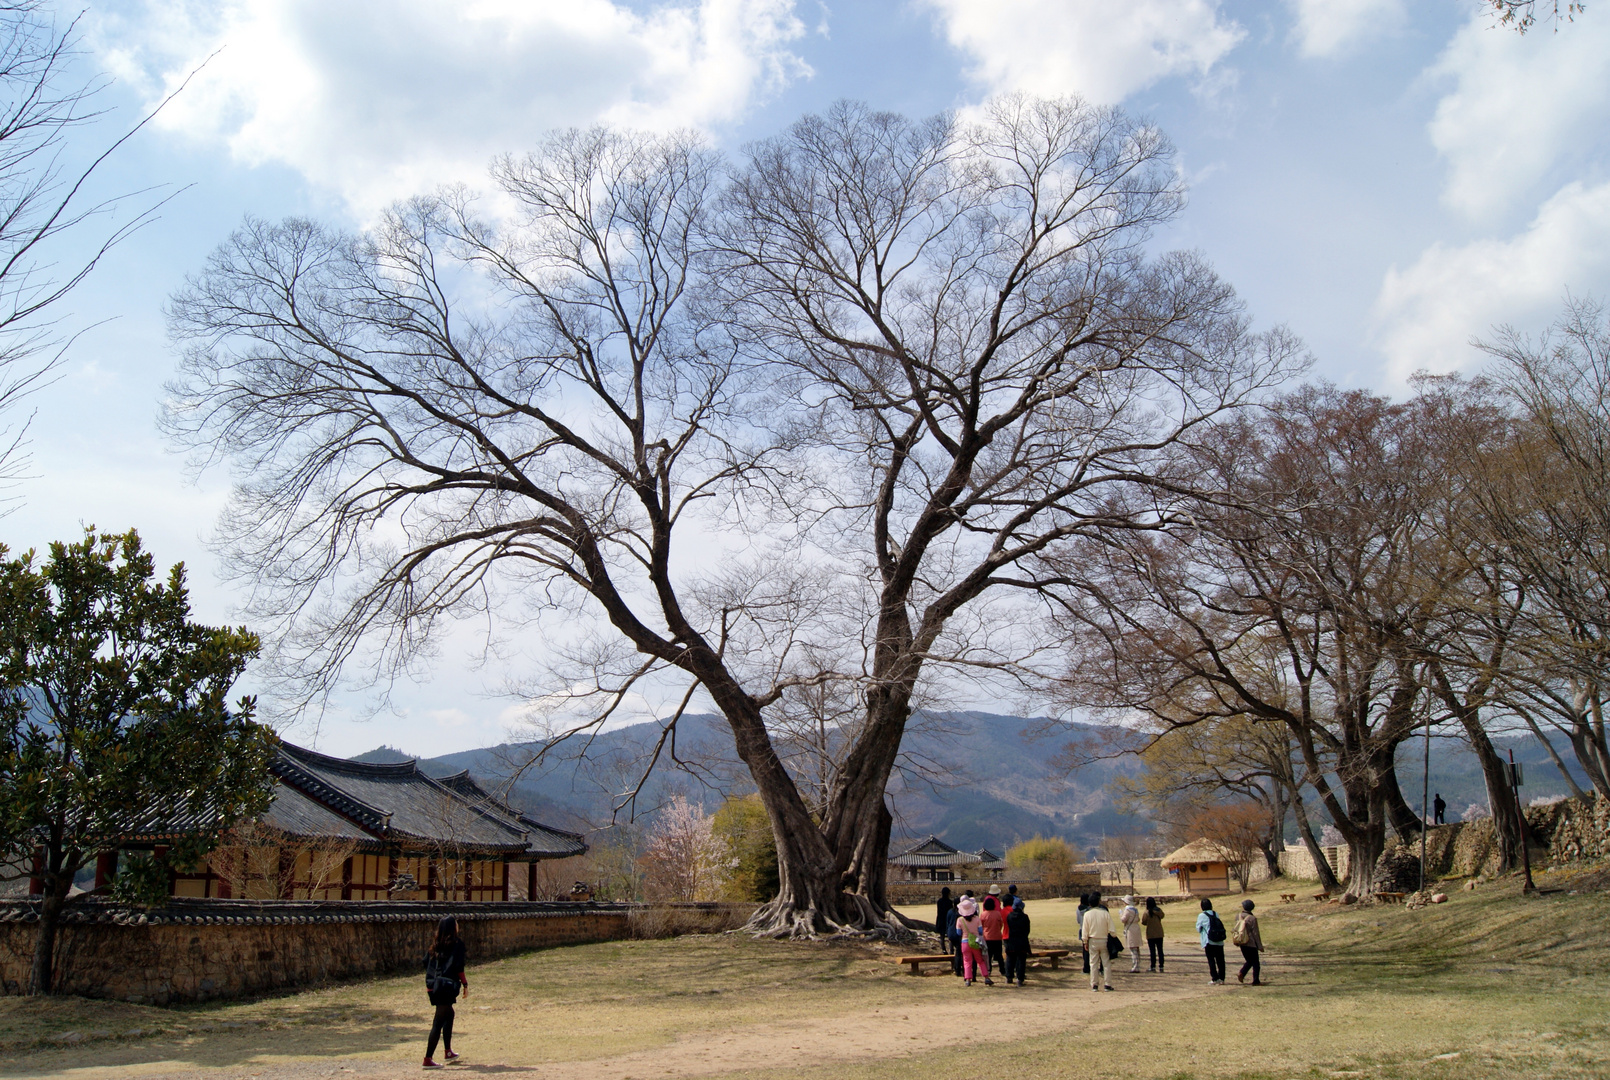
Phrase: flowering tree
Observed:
(685, 860)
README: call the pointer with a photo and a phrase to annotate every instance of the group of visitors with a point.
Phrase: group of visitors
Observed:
(994, 935)
(985, 936)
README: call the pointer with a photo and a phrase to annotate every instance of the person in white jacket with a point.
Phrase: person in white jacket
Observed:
(1130, 917)
(1093, 931)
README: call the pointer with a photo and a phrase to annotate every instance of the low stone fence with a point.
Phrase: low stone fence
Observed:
(194, 950)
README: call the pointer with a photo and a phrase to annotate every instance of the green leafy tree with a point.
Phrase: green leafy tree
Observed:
(1048, 858)
(113, 712)
(743, 825)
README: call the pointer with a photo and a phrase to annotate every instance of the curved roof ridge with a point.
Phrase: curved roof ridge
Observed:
(360, 768)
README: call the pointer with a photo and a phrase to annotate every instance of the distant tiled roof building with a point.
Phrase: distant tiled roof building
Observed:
(349, 830)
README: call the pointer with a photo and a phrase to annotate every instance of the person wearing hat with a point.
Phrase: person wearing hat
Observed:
(972, 943)
(1129, 918)
(1250, 940)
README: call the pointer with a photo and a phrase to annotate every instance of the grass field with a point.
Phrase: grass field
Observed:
(1489, 985)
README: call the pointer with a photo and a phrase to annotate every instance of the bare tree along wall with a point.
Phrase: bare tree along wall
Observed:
(897, 360)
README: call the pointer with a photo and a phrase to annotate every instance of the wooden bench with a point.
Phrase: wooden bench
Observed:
(914, 963)
(1390, 897)
(1288, 897)
(1322, 896)
(1044, 957)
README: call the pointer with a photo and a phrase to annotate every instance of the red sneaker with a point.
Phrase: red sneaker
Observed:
(450, 1056)
(429, 1064)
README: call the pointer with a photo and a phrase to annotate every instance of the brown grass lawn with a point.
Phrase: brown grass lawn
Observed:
(1489, 985)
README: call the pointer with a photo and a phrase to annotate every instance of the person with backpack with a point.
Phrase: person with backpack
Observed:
(1153, 921)
(1094, 930)
(971, 929)
(955, 937)
(1130, 918)
(444, 977)
(1017, 942)
(1250, 941)
(1212, 933)
(943, 918)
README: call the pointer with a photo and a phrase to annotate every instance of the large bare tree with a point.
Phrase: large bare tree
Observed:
(895, 360)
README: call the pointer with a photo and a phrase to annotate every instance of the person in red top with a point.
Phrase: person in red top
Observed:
(993, 924)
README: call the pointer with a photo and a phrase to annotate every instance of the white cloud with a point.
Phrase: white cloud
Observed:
(1426, 315)
(376, 101)
(1330, 27)
(1053, 47)
(1520, 106)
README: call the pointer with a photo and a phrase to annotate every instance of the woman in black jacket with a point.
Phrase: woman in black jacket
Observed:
(444, 976)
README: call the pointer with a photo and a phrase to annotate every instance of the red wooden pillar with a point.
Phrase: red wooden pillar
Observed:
(531, 881)
(36, 880)
(505, 879)
(391, 874)
(346, 878)
(287, 872)
(105, 868)
(430, 879)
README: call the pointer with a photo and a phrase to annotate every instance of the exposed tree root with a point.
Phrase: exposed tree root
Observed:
(856, 918)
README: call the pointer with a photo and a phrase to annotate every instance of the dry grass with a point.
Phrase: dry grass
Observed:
(1513, 986)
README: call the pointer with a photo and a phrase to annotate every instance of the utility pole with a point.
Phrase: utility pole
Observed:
(1520, 814)
(1425, 800)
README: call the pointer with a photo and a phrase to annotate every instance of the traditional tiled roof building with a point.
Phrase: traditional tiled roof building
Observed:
(349, 830)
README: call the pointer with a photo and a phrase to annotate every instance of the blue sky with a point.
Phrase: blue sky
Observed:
(1387, 177)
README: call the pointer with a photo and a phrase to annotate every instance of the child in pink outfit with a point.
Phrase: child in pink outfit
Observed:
(970, 927)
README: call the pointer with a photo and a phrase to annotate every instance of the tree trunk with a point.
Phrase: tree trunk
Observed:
(1506, 808)
(1405, 822)
(1327, 877)
(1559, 762)
(41, 977)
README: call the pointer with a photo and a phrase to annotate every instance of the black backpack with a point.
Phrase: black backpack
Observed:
(1215, 929)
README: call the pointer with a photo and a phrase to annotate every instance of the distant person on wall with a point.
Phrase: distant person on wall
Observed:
(1017, 942)
(1438, 808)
(943, 919)
(993, 920)
(1211, 931)
(1130, 918)
(1153, 921)
(1094, 929)
(971, 930)
(1250, 941)
(1084, 906)
(444, 977)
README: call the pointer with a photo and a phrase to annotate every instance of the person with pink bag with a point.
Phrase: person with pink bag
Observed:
(971, 928)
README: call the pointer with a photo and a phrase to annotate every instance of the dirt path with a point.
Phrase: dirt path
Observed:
(972, 1016)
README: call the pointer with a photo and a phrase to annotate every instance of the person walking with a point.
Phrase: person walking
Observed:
(972, 942)
(1017, 942)
(1153, 921)
(1250, 942)
(1130, 918)
(1211, 931)
(943, 919)
(993, 923)
(1438, 807)
(1094, 929)
(444, 977)
(1084, 906)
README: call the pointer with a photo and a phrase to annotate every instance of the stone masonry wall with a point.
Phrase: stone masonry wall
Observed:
(202, 949)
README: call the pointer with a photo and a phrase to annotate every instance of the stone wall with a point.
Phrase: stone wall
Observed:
(200, 949)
